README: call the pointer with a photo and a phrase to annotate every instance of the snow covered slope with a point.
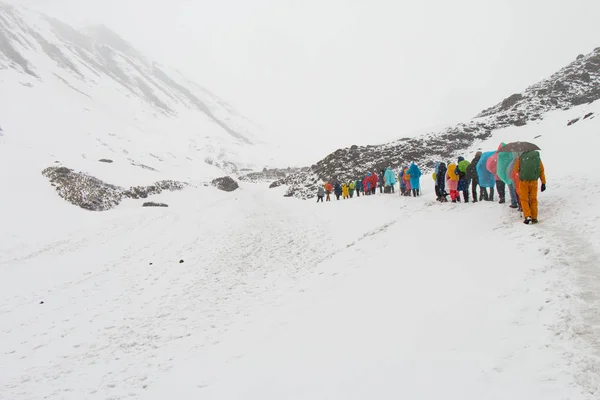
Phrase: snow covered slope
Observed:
(72, 97)
(379, 297)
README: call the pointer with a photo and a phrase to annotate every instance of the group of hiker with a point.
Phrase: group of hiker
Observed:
(517, 170)
(409, 178)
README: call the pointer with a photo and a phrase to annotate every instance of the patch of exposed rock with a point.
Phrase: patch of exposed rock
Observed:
(225, 183)
(153, 204)
(93, 194)
(575, 84)
(270, 174)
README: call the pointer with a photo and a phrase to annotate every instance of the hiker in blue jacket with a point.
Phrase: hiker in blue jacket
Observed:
(359, 187)
(337, 190)
(402, 184)
(415, 179)
(441, 182)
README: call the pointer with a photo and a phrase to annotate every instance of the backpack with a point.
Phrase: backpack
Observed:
(530, 166)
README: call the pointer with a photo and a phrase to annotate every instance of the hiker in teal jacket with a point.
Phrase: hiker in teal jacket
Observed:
(415, 179)
(390, 179)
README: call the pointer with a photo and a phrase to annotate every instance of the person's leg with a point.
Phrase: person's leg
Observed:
(513, 196)
(483, 194)
(453, 195)
(501, 191)
(474, 190)
(533, 201)
(524, 191)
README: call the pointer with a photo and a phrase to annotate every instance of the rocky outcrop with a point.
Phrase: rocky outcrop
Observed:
(575, 84)
(225, 183)
(91, 193)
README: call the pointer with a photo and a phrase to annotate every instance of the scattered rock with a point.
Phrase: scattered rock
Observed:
(153, 204)
(180, 261)
(151, 263)
(586, 116)
(579, 57)
(571, 122)
(90, 193)
(225, 183)
(106, 160)
(41, 302)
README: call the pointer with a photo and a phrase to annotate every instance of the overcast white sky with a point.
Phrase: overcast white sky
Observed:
(340, 72)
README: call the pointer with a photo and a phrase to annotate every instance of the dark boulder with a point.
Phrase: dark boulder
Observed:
(106, 160)
(153, 204)
(225, 183)
(511, 101)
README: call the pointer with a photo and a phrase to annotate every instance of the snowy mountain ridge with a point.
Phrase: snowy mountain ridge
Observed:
(86, 58)
(576, 84)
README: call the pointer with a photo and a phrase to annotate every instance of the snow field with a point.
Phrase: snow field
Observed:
(376, 297)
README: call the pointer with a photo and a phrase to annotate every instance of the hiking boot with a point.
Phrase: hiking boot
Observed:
(454, 201)
(502, 201)
(514, 206)
(528, 221)
(534, 221)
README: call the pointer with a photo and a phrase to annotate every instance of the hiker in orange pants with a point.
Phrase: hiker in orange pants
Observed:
(530, 168)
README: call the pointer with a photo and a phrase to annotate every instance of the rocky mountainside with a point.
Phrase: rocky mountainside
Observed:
(577, 83)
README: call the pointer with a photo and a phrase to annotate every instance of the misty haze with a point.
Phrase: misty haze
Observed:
(338, 199)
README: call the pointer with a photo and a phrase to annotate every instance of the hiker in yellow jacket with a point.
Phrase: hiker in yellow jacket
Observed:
(345, 192)
(530, 168)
